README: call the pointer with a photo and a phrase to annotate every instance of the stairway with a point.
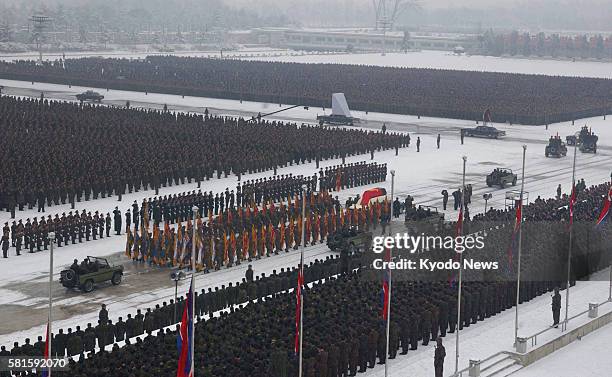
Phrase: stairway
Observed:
(500, 366)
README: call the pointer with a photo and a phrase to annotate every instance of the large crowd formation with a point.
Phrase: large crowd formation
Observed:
(249, 196)
(249, 232)
(257, 339)
(515, 98)
(56, 153)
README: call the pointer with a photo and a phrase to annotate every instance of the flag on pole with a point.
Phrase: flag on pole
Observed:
(458, 229)
(571, 205)
(129, 242)
(183, 340)
(459, 222)
(605, 211)
(45, 372)
(385, 287)
(515, 232)
(298, 304)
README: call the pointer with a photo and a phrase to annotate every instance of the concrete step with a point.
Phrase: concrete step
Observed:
(501, 368)
(491, 364)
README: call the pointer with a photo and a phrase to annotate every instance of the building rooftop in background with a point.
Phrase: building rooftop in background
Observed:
(361, 39)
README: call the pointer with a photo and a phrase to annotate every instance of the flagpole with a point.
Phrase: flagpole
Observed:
(462, 213)
(302, 273)
(610, 287)
(520, 242)
(569, 253)
(193, 262)
(49, 333)
(389, 278)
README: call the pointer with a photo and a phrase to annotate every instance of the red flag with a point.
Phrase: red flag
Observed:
(517, 226)
(458, 231)
(45, 372)
(571, 205)
(184, 338)
(298, 304)
(459, 226)
(385, 287)
(606, 208)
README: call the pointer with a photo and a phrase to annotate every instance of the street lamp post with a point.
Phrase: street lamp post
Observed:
(303, 242)
(176, 277)
(571, 231)
(520, 241)
(389, 277)
(193, 263)
(486, 198)
(462, 213)
(49, 332)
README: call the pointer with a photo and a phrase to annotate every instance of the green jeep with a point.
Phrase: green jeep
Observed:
(96, 271)
(350, 240)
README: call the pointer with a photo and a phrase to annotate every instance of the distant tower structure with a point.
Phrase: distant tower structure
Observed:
(386, 12)
(40, 23)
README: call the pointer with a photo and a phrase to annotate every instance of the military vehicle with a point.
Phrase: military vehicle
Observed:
(351, 241)
(97, 271)
(501, 177)
(424, 213)
(90, 95)
(340, 115)
(555, 148)
(484, 131)
(589, 144)
(572, 140)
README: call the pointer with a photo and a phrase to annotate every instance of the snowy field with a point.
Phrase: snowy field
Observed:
(146, 51)
(592, 354)
(448, 60)
(415, 59)
(423, 175)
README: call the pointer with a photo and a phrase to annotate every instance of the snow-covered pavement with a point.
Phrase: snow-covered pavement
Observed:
(588, 357)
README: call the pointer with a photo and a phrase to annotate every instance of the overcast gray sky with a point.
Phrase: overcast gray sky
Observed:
(531, 15)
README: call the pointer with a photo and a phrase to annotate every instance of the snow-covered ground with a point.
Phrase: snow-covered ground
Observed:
(415, 59)
(145, 51)
(588, 357)
(423, 175)
(448, 60)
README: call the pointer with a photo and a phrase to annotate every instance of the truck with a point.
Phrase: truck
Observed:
(98, 271)
(555, 148)
(501, 177)
(572, 140)
(483, 131)
(89, 95)
(589, 144)
(340, 115)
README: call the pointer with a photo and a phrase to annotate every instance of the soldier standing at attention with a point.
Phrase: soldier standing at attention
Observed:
(444, 199)
(439, 357)
(5, 246)
(249, 274)
(418, 144)
(556, 307)
(103, 314)
(117, 218)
